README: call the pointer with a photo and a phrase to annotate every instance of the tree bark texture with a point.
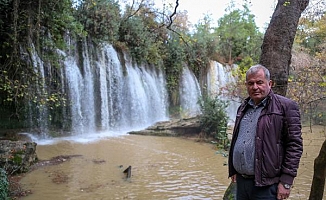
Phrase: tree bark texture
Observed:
(278, 41)
(318, 181)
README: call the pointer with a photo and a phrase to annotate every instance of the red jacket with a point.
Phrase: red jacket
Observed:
(278, 141)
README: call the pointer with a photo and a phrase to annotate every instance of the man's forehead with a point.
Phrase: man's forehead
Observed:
(256, 79)
(257, 75)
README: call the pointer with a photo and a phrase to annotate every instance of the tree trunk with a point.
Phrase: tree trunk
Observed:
(318, 181)
(278, 41)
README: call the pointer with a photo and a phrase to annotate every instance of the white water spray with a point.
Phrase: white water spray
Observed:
(218, 79)
(189, 94)
(108, 98)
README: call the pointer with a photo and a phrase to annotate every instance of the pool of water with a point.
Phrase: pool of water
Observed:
(161, 168)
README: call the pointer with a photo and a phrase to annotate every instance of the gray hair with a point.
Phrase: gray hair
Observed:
(254, 69)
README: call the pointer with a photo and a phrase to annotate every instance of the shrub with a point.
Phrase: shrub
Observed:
(214, 119)
(4, 185)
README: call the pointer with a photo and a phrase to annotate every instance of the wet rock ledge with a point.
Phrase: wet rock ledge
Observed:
(175, 127)
(17, 156)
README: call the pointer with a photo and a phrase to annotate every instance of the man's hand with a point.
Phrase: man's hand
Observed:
(234, 178)
(282, 193)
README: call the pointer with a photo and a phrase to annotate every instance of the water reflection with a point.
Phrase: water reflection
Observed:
(162, 168)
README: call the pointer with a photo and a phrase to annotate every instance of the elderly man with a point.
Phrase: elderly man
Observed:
(266, 146)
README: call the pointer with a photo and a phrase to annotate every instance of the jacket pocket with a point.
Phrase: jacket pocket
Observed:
(272, 159)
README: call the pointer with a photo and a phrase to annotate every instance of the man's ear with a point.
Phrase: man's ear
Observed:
(271, 83)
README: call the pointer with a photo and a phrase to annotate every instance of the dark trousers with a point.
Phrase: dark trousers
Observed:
(246, 190)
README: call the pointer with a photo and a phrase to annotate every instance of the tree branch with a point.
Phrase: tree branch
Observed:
(174, 13)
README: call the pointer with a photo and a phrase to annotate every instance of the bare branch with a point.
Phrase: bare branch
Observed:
(174, 13)
(136, 11)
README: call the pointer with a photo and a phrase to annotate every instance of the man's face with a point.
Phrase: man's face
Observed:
(258, 86)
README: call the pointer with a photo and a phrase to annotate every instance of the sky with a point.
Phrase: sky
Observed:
(262, 9)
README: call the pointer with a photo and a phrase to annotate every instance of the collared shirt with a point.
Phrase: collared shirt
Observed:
(244, 149)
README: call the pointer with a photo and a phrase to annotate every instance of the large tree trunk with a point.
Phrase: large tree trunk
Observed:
(318, 182)
(278, 41)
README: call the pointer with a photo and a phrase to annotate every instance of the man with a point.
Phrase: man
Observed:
(266, 145)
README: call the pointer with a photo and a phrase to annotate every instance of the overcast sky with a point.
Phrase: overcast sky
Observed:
(262, 9)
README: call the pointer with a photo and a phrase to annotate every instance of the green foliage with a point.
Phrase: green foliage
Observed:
(240, 73)
(46, 24)
(17, 157)
(100, 18)
(142, 35)
(133, 32)
(214, 119)
(231, 192)
(203, 46)
(14, 88)
(16, 161)
(238, 36)
(4, 185)
(56, 19)
(4, 5)
(286, 3)
(308, 72)
(311, 34)
(307, 84)
(173, 62)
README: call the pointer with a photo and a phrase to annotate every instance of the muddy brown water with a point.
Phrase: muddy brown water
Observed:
(161, 168)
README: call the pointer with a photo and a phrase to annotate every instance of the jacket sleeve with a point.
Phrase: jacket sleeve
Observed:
(292, 142)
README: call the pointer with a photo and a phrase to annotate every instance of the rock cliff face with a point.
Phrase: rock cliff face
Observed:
(17, 156)
(179, 127)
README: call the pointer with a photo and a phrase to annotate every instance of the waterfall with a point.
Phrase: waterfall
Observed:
(148, 101)
(37, 116)
(88, 103)
(80, 88)
(189, 94)
(131, 99)
(75, 84)
(218, 78)
(107, 97)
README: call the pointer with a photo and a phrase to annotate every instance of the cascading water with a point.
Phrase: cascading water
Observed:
(189, 94)
(37, 116)
(75, 87)
(131, 99)
(218, 78)
(108, 98)
(88, 103)
(105, 97)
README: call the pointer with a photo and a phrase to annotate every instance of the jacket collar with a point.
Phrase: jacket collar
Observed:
(266, 101)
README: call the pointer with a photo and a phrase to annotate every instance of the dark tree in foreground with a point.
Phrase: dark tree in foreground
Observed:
(278, 41)
(318, 181)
